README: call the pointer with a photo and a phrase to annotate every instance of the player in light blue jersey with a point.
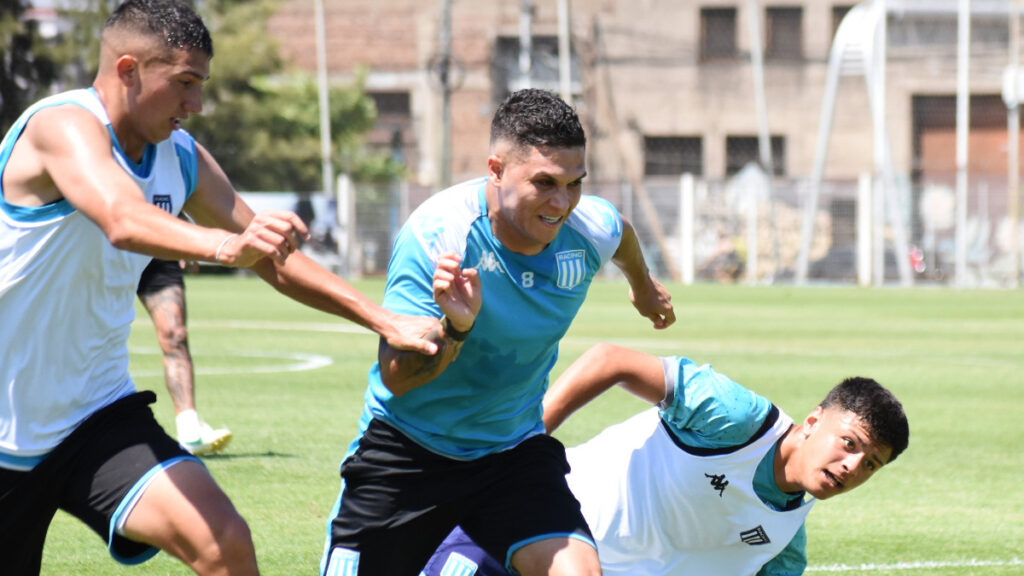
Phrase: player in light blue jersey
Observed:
(715, 479)
(458, 437)
(90, 181)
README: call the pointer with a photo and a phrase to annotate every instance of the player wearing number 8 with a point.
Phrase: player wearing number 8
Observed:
(459, 437)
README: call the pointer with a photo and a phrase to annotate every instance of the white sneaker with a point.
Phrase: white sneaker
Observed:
(209, 440)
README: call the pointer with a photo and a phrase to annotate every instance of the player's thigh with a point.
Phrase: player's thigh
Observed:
(112, 460)
(183, 511)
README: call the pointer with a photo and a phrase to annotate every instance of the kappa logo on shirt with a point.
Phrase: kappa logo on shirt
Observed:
(718, 482)
(489, 263)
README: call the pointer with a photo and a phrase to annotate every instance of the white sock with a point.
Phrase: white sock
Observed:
(188, 425)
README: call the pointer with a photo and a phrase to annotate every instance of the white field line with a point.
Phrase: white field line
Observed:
(969, 563)
(301, 362)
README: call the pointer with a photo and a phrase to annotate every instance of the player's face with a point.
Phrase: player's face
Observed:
(168, 91)
(534, 191)
(838, 453)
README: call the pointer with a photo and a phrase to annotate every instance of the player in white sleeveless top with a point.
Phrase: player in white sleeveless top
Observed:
(90, 181)
(714, 480)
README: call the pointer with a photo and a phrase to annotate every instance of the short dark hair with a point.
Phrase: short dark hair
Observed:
(877, 407)
(173, 21)
(534, 117)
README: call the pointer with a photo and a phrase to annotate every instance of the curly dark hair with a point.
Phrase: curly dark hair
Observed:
(173, 21)
(534, 117)
(877, 407)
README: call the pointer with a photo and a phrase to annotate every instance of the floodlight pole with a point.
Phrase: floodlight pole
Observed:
(564, 51)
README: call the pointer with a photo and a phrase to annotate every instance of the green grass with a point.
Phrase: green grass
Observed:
(955, 358)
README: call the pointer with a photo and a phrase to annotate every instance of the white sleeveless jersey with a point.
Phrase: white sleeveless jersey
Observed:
(656, 509)
(67, 298)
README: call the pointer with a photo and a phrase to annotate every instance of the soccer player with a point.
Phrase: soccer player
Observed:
(715, 479)
(162, 292)
(457, 437)
(90, 181)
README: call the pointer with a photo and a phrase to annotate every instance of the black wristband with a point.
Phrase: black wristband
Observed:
(451, 332)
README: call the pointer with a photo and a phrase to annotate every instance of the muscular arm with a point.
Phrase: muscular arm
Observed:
(216, 203)
(457, 292)
(649, 297)
(597, 370)
(64, 153)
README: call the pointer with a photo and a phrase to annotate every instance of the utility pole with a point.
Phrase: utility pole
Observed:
(446, 93)
(525, 43)
(1013, 144)
(327, 170)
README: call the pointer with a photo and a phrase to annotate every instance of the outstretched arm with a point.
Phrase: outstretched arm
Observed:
(649, 297)
(597, 370)
(457, 293)
(276, 233)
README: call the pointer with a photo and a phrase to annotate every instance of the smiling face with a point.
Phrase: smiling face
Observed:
(530, 193)
(835, 452)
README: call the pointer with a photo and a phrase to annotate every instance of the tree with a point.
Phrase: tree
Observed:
(26, 67)
(259, 120)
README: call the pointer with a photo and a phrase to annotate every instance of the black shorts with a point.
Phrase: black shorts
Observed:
(160, 274)
(399, 501)
(95, 474)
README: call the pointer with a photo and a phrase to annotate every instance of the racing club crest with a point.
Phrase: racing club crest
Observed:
(570, 268)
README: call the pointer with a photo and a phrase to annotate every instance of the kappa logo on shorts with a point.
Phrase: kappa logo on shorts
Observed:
(570, 268)
(343, 562)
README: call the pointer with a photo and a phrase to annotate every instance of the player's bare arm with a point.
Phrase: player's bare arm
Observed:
(457, 293)
(272, 239)
(648, 296)
(599, 368)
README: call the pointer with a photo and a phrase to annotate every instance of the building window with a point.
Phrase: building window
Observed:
(717, 33)
(784, 33)
(839, 12)
(673, 156)
(392, 132)
(742, 150)
(506, 77)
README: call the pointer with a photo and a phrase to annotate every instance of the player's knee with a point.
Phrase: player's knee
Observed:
(173, 339)
(230, 550)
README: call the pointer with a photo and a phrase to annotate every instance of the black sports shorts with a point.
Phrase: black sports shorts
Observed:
(94, 475)
(160, 274)
(399, 501)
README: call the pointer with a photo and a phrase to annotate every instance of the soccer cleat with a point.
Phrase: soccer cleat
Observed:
(209, 440)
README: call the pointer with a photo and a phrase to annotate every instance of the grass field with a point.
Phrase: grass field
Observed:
(289, 382)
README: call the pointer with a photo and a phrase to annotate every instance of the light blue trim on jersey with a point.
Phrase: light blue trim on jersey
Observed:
(128, 503)
(27, 214)
(20, 463)
(189, 166)
(515, 547)
(142, 168)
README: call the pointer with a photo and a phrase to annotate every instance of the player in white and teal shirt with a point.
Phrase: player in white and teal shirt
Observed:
(715, 479)
(459, 438)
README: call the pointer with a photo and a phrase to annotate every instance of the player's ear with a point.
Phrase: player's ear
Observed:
(812, 420)
(127, 67)
(495, 168)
